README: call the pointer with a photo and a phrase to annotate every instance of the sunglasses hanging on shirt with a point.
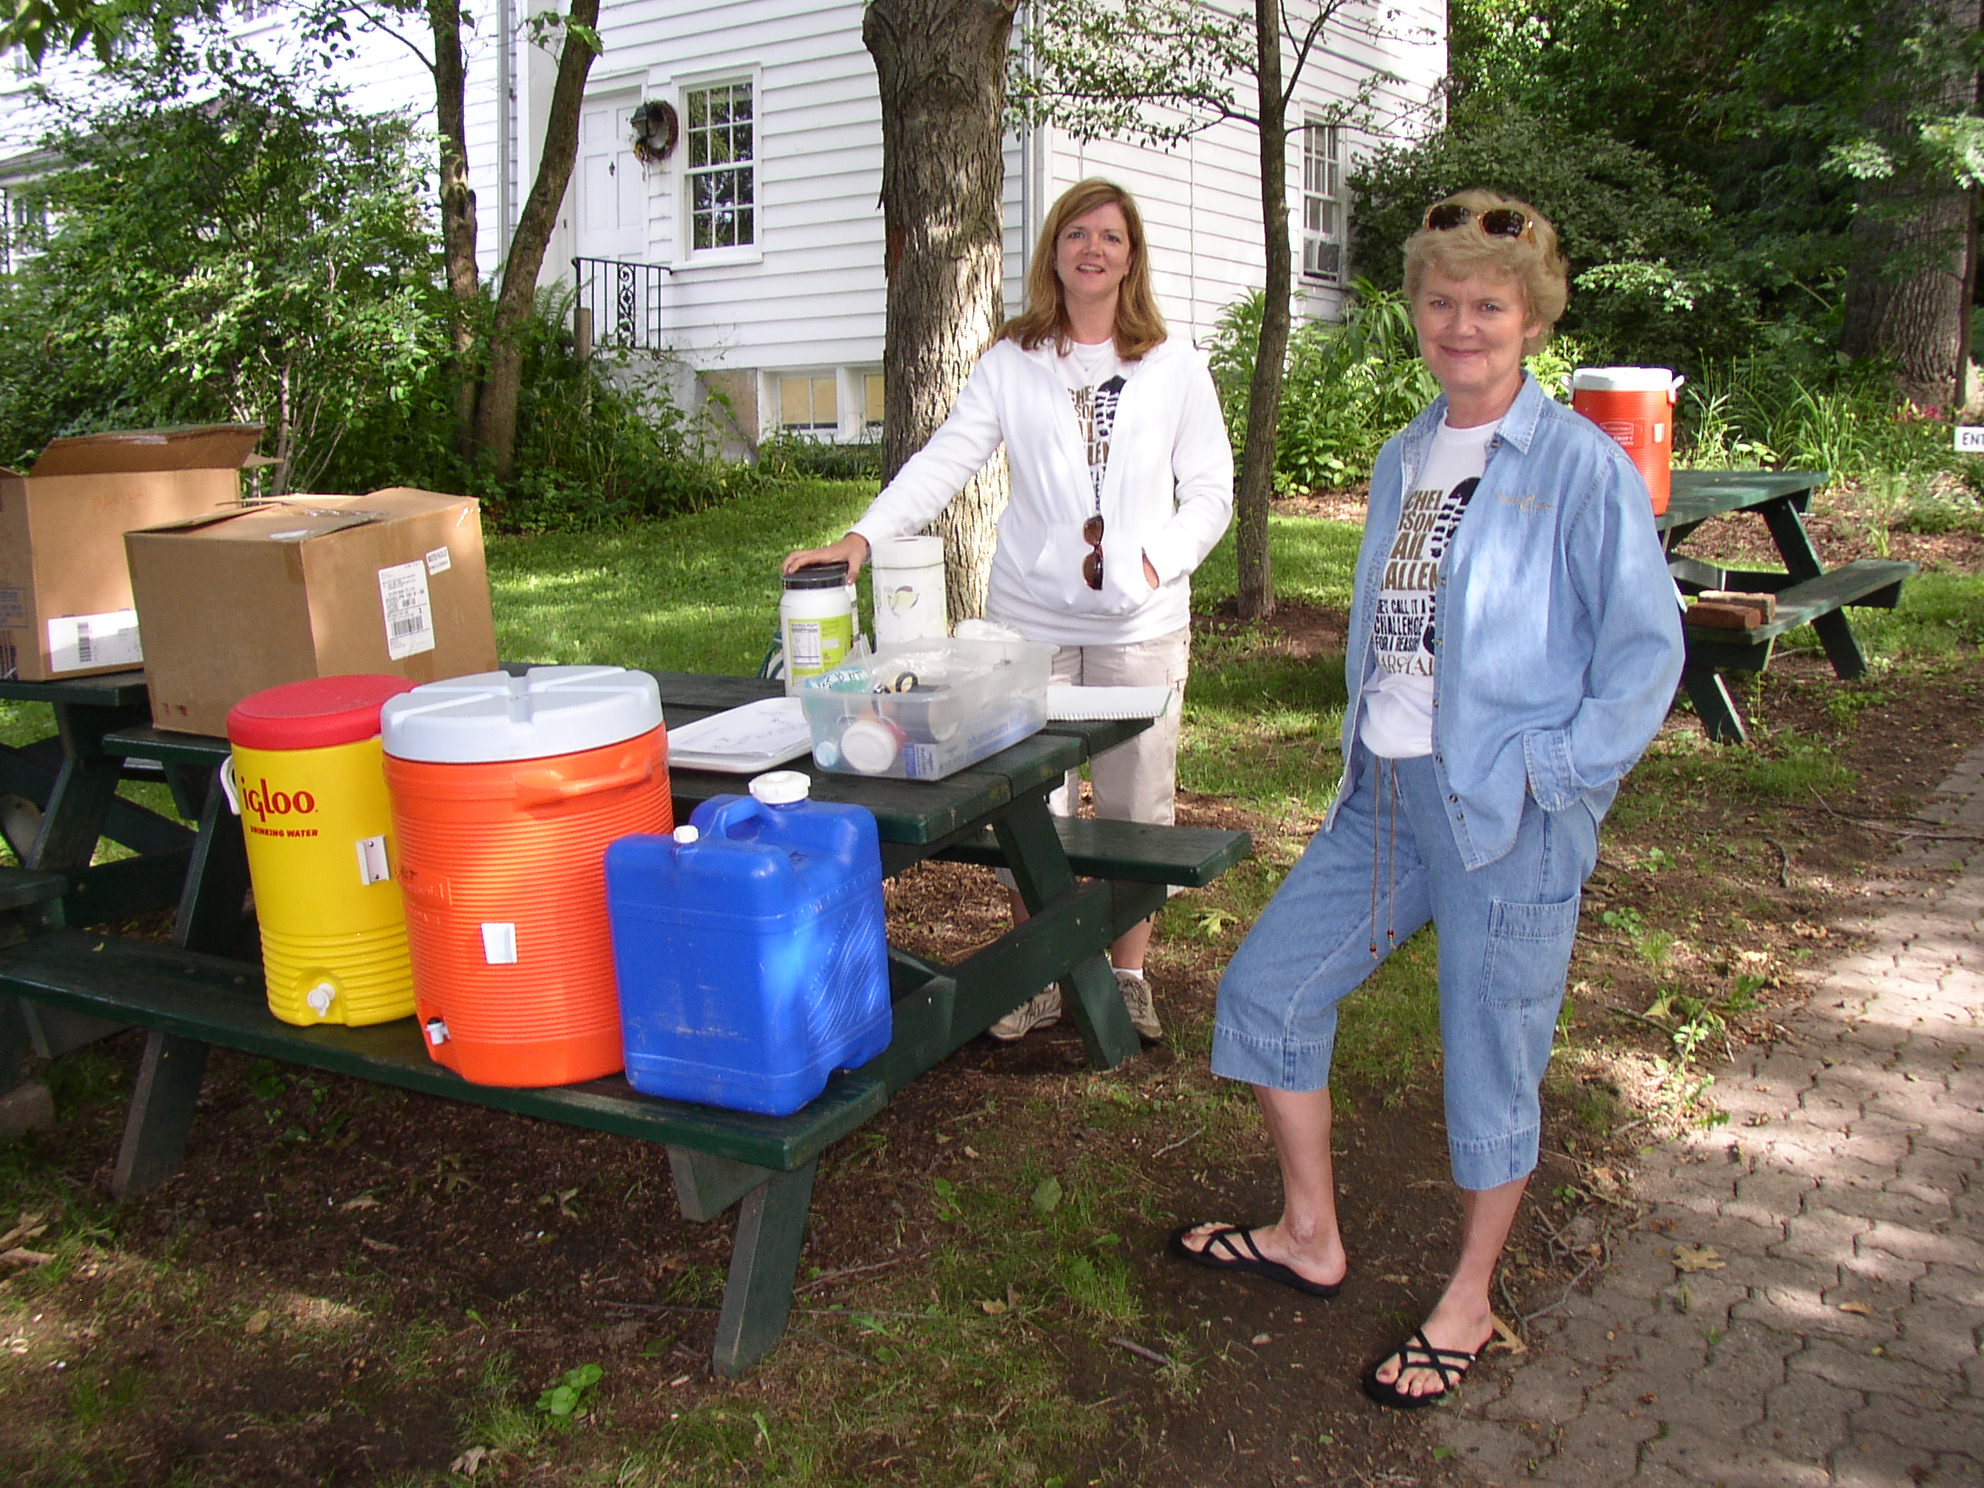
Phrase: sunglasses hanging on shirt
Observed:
(1092, 560)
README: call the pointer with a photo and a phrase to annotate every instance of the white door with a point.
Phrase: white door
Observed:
(613, 191)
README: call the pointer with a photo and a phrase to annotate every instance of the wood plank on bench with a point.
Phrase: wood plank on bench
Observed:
(1867, 582)
(216, 1000)
(1139, 852)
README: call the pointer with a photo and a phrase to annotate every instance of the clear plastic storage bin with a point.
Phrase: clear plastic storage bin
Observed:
(926, 709)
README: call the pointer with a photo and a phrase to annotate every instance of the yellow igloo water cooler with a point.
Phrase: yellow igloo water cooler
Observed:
(307, 775)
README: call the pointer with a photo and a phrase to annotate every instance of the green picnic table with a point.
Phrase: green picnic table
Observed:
(1808, 593)
(1084, 882)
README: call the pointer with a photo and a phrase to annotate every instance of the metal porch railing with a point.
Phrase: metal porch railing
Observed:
(619, 304)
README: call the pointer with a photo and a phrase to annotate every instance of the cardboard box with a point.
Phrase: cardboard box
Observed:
(65, 595)
(308, 586)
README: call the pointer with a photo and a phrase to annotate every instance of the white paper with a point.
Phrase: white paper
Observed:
(372, 865)
(743, 740)
(109, 639)
(499, 943)
(409, 611)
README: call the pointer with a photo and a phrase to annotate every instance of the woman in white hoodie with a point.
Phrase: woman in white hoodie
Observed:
(1122, 482)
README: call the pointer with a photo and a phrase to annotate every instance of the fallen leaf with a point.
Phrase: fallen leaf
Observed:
(364, 1201)
(1697, 1258)
(1047, 1195)
(1261, 1338)
(258, 1323)
(992, 1307)
(1858, 1309)
(20, 1257)
(469, 1462)
(1505, 1338)
(970, 1151)
(381, 1246)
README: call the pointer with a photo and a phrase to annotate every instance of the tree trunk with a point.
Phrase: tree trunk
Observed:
(1256, 484)
(941, 66)
(496, 411)
(458, 226)
(1905, 288)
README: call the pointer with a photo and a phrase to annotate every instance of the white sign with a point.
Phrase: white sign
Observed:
(1970, 439)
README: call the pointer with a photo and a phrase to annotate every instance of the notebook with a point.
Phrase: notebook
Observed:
(1071, 704)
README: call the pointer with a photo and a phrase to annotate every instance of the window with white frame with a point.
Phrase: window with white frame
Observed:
(720, 133)
(1325, 212)
(809, 403)
(872, 391)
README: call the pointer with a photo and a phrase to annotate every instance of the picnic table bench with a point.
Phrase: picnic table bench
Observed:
(1807, 592)
(1084, 883)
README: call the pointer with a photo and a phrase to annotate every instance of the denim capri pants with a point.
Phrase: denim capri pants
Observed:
(1505, 928)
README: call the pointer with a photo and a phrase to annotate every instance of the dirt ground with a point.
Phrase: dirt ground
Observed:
(569, 1243)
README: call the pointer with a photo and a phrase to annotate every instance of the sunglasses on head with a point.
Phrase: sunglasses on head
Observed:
(1497, 222)
(1092, 560)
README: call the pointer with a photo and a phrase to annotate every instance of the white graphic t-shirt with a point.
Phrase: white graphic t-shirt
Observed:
(1094, 377)
(1398, 703)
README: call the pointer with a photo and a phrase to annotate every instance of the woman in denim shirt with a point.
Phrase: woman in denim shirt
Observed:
(1514, 645)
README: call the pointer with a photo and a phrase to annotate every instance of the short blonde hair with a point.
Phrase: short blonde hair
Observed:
(1139, 323)
(1533, 259)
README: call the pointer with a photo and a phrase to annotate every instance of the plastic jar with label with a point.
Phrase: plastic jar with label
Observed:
(815, 621)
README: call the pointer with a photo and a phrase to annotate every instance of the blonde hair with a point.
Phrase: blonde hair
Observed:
(1534, 259)
(1139, 325)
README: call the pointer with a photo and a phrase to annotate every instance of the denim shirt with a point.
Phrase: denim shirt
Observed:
(1558, 630)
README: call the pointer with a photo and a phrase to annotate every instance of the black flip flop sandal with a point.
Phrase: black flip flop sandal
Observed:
(1417, 1352)
(1231, 1248)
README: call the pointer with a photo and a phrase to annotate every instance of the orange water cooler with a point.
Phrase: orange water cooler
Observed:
(506, 791)
(1635, 405)
(307, 779)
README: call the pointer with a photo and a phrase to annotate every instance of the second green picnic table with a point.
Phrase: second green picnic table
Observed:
(1807, 592)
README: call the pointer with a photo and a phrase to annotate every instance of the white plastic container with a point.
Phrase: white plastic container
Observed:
(815, 621)
(927, 709)
(908, 574)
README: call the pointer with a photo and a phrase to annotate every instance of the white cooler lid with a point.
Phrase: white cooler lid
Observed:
(549, 710)
(1625, 379)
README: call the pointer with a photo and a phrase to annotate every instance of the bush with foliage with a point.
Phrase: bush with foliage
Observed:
(798, 457)
(256, 252)
(1348, 387)
(234, 243)
(1651, 280)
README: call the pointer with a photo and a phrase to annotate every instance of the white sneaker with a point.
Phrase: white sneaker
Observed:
(1043, 1011)
(1137, 998)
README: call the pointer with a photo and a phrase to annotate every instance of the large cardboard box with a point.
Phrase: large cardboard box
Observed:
(308, 586)
(65, 596)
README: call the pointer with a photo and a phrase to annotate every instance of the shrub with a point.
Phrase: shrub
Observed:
(1348, 387)
(1653, 280)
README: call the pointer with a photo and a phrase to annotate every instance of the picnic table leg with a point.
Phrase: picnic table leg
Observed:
(1714, 706)
(1842, 646)
(212, 904)
(764, 1262)
(161, 1113)
(1040, 870)
(14, 1041)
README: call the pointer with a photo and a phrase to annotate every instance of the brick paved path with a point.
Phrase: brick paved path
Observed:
(1837, 1346)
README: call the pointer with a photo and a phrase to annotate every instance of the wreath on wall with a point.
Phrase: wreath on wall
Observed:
(655, 131)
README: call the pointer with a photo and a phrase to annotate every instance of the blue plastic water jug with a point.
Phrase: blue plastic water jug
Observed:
(750, 948)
